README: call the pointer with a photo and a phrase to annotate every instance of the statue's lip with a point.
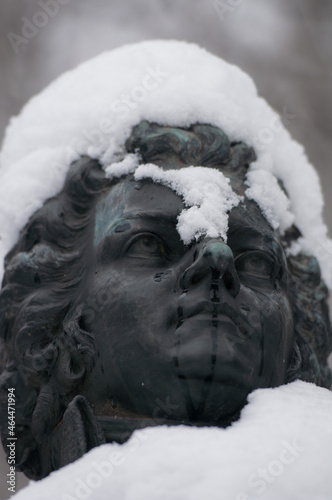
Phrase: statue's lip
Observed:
(216, 311)
(219, 312)
(205, 315)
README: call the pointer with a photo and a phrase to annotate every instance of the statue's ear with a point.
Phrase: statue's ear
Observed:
(76, 350)
(78, 432)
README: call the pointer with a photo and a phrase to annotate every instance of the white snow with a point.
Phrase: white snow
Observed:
(273, 202)
(206, 191)
(126, 166)
(280, 449)
(92, 109)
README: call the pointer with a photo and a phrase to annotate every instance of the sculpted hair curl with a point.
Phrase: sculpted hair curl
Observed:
(47, 350)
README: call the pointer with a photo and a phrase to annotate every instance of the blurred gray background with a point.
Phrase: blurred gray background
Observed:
(285, 45)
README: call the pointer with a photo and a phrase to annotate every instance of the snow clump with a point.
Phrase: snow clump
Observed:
(206, 191)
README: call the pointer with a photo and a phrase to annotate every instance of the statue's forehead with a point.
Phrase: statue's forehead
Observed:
(130, 199)
(247, 224)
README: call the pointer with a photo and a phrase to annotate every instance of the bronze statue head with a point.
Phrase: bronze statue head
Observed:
(101, 299)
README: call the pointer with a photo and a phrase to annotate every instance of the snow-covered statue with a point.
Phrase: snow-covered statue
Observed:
(164, 253)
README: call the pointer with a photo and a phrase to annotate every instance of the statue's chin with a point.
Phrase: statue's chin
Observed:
(212, 402)
(193, 401)
(219, 406)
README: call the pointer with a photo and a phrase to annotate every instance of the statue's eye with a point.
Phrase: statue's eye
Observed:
(145, 246)
(255, 263)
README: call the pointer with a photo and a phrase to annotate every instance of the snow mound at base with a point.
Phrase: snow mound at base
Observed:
(279, 449)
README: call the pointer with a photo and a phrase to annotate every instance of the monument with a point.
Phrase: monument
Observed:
(155, 288)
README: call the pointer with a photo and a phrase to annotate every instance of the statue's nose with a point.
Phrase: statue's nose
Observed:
(216, 258)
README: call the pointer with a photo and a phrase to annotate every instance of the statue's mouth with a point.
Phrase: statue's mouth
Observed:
(211, 351)
(206, 306)
(217, 313)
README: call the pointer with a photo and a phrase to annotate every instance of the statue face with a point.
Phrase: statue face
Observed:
(191, 329)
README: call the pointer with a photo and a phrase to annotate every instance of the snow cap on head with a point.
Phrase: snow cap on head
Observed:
(92, 109)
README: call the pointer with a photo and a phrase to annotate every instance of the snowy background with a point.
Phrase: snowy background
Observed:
(284, 45)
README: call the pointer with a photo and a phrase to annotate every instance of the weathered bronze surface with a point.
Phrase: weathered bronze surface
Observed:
(110, 323)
